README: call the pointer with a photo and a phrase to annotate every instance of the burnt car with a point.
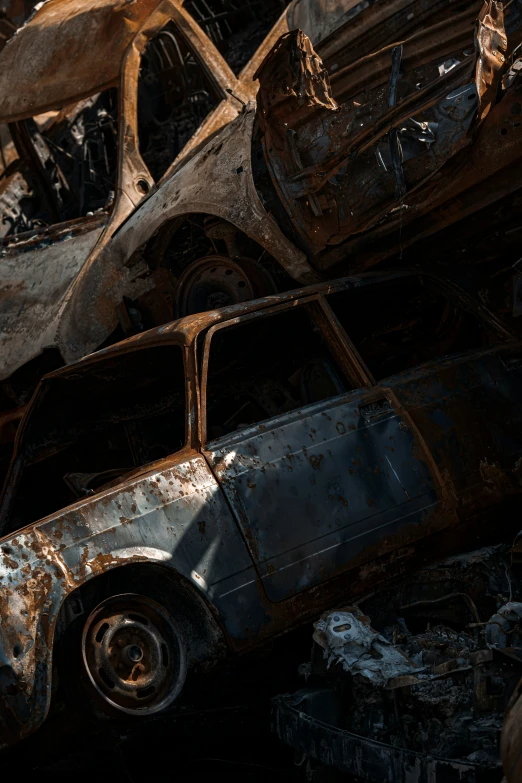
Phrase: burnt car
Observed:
(202, 487)
(217, 226)
(332, 174)
(82, 148)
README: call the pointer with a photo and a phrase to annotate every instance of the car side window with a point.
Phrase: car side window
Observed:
(398, 324)
(96, 423)
(266, 366)
(175, 95)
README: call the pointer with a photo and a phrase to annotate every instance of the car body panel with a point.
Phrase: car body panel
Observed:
(348, 470)
(244, 549)
(218, 181)
(465, 408)
(36, 282)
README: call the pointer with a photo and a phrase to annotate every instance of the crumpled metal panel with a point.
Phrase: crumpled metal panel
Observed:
(335, 169)
(32, 289)
(92, 34)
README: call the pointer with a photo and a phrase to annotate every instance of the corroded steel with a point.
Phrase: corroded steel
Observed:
(271, 524)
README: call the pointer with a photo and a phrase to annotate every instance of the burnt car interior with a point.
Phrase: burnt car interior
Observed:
(399, 324)
(175, 95)
(66, 165)
(266, 366)
(98, 423)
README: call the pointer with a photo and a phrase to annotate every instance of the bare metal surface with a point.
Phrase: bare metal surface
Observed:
(124, 30)
(221, 515)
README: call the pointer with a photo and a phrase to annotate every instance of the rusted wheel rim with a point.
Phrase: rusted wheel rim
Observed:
(218, 281)
(133, 654)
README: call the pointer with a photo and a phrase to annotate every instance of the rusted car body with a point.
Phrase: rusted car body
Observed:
(149, 86)
(216, 226)
(259, 462)
(326, 173)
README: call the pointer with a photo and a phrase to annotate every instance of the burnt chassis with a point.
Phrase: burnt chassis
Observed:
(42, 268)
(190, 531)
(275, 175)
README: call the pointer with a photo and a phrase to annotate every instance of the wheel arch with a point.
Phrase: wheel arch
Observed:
(193, 613)
(218, 181)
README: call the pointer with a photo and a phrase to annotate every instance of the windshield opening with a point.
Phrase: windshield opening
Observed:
(93, 424)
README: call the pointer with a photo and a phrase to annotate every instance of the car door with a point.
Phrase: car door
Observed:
(323, 472)
(455, 374)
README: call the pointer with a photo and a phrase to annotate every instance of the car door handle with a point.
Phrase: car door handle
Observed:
(375, 409)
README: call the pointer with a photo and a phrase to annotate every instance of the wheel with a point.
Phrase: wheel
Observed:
(216, 281)
(133, 655)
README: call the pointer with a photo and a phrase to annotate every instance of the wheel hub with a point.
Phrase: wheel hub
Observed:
(133, 654)
(217, 281)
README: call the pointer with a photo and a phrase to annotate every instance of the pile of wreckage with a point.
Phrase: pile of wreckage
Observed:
(424, 697)
(260, 340)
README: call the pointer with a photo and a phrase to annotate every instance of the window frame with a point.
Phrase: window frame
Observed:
(26, 151)
(446, 288)
(351, 370)
(211, 61)
(20, 460)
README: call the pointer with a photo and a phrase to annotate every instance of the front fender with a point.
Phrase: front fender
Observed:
(175, 515)
(217, 181)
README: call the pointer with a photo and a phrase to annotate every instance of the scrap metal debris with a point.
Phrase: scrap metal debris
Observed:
(456, 662)
(266, 451)
(347, 638)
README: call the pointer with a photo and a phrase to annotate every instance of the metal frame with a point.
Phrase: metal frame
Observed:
(334, 339)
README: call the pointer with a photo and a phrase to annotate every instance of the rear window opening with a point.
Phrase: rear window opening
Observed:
(175, 95)
(65, 165)
(398, 324)
(267, 366)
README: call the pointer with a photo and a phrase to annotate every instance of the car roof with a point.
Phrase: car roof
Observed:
(185, 330)
(67, 50)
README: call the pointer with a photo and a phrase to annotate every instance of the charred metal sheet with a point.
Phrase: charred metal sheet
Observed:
(301, 721)
(424, 704)
(329, 166)
(492, 46)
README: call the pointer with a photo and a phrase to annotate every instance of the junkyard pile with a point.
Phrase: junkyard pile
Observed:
(261, 356)
(437, 676)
